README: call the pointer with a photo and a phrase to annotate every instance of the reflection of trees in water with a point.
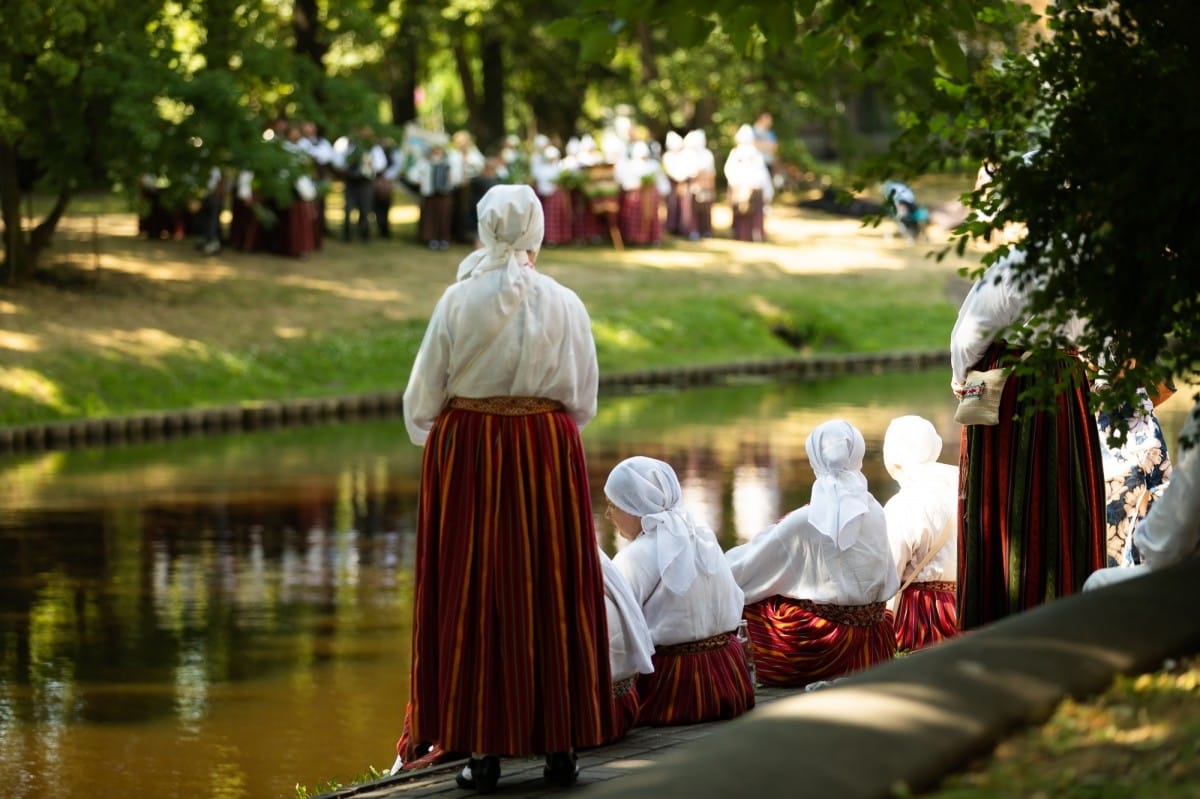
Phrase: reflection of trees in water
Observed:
(198, 588)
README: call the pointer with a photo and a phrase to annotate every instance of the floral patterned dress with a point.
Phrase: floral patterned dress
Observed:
(1136, 472)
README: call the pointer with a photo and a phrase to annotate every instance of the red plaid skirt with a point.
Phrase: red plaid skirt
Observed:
(707, 684)
(927, 613)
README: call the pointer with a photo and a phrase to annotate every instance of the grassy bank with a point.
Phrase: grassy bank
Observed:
(128, 325)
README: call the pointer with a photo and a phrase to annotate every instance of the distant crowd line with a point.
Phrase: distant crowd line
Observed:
(617, 188)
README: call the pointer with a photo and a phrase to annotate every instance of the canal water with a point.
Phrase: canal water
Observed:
(228, 617)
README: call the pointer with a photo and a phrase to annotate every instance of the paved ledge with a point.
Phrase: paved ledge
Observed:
(251, 416)
(896, 729)
(908, 724)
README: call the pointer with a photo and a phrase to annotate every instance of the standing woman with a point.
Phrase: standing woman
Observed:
(1031, 491)
(509, 636)
(750, 187)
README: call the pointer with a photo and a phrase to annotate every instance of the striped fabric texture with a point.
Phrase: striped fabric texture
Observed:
(794, 647)
(510, 638)
(1031, 500)
(925, 616)
(698, 686)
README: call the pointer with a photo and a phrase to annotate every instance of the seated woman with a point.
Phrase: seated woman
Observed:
(691, 603)
(817, 581)
(1169, 533)
(922, 523)
(630, 648)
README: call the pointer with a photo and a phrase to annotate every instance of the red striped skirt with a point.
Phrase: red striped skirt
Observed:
(640, 220)
(510, 639)
(1031, 500)
(627, 705)
(702, 681)
(560, 217)
(793, 646)
(926, 614)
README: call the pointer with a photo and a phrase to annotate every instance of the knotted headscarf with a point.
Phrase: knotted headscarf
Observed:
(649, 488)
(510, 224)
(839, 495)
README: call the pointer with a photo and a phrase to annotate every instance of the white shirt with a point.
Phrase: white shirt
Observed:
(793, 558)
(923, 511)
(495, 335)
(711, 605)
(630, 646)
(746, 171)
(996, 301)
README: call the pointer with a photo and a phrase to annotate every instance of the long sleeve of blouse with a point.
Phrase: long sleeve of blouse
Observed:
(794, 559)
(483, 342)
(994, 301)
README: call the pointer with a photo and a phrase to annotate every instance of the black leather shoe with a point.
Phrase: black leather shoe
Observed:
(480, 775)
(561, 769)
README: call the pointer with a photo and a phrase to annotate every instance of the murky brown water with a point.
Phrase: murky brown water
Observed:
(229, 617)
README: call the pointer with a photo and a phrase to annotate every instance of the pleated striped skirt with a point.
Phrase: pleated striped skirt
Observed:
(1031, 500)
(700, 681)
(797, 642)
(510, 641)
(926, 614)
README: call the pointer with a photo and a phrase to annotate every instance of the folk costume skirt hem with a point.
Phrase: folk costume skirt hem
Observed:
(793, 646)
(926, 614)
(1031, 499)
(510, 632)
(709, 684)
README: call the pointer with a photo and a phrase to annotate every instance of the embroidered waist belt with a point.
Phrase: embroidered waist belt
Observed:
(624, 686)
(853, 615)
(936, 585)
(506, 406)
(694, 647)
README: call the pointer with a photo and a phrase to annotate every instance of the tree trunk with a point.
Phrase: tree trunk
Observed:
(403, 67)
(15, 248)
(490, 133)
(466, 76)
(306, 26)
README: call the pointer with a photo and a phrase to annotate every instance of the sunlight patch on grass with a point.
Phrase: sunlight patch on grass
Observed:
(342, 289)
(19, 342)
(31, 385)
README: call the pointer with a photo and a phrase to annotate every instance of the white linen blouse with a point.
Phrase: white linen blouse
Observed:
(711, 605)
(792, 558)
(504, 331)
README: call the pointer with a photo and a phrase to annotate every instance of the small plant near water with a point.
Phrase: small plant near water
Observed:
(330, 786)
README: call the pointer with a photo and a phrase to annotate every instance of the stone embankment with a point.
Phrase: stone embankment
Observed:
(251, 416)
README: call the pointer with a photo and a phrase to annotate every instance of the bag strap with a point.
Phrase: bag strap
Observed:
(936, 548)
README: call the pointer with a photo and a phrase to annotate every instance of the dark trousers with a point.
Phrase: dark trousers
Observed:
(360, 199)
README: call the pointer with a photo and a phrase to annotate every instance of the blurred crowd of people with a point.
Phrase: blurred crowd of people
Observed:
(619, 187)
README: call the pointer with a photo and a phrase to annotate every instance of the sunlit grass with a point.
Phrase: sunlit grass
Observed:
(1139, 738)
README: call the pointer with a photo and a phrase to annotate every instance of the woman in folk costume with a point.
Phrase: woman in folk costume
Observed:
(643, 184)
(1031, 494)
(922, 523)
(1168, 534)
(556, 201)
(435, 176)
(509, 632)
(676, 163)
(750, 187)
(817, 581)
(630, 647)
(691, 603)
(703, 184)
(590, 227)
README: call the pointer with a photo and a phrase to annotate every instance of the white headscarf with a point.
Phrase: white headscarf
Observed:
(649, 488)
(839, 495)
(909, 443)
(510, 222)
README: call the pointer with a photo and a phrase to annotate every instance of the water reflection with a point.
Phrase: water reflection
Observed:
(229, 617)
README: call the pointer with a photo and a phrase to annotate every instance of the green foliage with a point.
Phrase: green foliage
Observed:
(1087, 136)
